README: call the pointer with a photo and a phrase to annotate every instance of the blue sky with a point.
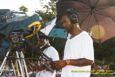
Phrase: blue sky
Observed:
(32, 5)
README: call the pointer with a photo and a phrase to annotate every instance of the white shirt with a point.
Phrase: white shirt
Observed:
(52, 53)
(80, 46)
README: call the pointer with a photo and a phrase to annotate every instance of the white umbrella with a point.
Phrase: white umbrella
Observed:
(52, 31)
(49, 27)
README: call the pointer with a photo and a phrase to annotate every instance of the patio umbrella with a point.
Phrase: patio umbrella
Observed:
(95, 16)
(7, 28)
(52, 30)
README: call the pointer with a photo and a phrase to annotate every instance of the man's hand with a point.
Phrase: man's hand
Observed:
(58, 64)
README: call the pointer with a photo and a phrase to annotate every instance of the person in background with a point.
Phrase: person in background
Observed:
(48, 50)
(79, 51)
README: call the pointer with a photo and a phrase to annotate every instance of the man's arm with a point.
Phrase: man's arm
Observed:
(79, 62)
(74, 62)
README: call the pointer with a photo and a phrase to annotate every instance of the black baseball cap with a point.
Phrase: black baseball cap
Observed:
(42, 35)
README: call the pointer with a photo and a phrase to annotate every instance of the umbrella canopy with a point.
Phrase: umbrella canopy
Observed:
(95, 16)
(52, 30)
(6, 28)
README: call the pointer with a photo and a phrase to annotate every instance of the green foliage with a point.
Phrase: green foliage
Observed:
(50, 7)
(102, 75)
(46, 16)
(50, 11)
(105, 51)
(23, 9)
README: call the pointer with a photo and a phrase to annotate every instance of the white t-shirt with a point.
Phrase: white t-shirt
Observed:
(80, 46)
(52, 53)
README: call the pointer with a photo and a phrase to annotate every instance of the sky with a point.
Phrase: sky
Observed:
(32, 5)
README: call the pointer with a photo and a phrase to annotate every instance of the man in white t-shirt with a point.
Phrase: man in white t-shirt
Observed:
(78, 52)
(48, 50)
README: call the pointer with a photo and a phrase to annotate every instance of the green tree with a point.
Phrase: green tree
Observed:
(50, 7)
(50, 10)
(23, 9)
